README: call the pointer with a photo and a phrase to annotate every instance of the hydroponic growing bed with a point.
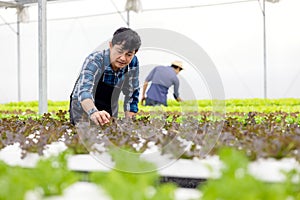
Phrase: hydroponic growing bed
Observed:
(245, 151)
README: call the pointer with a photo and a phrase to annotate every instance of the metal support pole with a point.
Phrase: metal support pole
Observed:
(42, 31)
(19, 55)
(265, 50)
(128, 18)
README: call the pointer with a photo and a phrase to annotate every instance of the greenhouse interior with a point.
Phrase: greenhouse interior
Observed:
(140, 100)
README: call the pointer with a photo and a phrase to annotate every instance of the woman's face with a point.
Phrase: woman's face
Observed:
(119, 58)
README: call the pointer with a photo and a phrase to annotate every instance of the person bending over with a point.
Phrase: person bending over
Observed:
(104, 75)
(161, 78)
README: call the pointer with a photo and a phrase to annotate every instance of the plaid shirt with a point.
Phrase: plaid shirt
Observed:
(92, 71)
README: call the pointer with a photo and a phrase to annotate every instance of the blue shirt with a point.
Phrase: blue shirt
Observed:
(162, 78)
(92, 71)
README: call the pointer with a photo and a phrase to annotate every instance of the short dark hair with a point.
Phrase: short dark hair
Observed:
(130, 39)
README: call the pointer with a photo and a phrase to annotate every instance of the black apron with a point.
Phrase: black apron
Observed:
(106, 97)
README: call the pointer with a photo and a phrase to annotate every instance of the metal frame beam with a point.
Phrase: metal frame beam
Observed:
(9, 4)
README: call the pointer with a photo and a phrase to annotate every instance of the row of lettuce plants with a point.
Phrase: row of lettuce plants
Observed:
(257, 134)
(262, 135)
(50, 177)
(231, 105)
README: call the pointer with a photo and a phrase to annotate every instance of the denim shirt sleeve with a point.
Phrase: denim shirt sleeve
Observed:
(132, 91)
(89, 76)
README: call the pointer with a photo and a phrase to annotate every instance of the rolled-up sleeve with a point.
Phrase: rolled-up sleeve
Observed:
(133, 90)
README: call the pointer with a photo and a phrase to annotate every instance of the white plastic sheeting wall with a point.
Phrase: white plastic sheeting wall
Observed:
(231, 34)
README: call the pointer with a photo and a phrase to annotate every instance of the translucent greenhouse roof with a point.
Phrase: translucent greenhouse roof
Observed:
(17, 3)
